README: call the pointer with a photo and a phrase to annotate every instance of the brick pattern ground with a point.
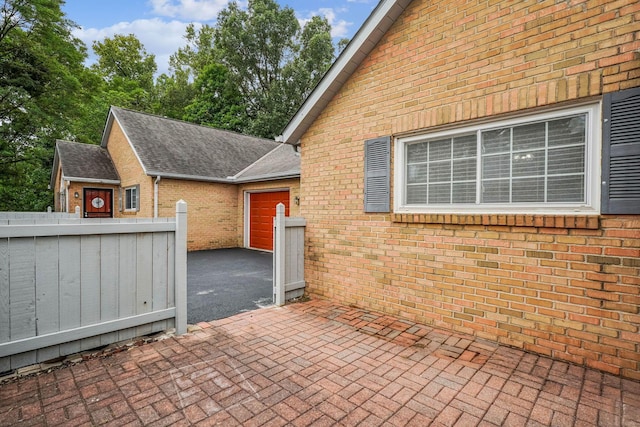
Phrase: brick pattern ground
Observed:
(320, 364)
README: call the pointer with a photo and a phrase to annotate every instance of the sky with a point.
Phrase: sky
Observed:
(160, 24)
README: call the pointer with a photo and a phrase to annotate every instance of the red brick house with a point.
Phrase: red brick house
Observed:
(145, 164)
(476, 166)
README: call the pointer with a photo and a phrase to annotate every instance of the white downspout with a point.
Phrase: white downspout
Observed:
(67, 208)
(155, 196)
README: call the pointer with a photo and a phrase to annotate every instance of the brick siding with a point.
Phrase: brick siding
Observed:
(567, 287)
(78, 187)
(214, 210)
(130, 172)
(211, 212)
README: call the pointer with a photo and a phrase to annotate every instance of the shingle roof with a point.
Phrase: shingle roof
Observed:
(282, 162)
(367, 37)
(178, 149)
(85, 162)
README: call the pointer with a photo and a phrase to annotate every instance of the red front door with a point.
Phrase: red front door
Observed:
(262, 209)
(98, 203)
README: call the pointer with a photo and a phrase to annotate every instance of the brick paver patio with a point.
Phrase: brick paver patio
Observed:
(317, 363)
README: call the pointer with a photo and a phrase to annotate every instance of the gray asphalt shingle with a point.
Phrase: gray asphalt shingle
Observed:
(283, 161)
(86, 161)
(181, 149)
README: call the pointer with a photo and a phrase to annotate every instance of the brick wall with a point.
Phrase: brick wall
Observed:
(567, 287)
(77, 187)
(212, 210)
(131, 173)
(215, 212)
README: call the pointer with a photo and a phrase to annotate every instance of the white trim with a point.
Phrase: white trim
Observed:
(64, 186)
(247, 227)
(92, 180)
(364, 41)
(156, 191)
(85, 228)
(592, 168)
(234, 177)
(130, 188)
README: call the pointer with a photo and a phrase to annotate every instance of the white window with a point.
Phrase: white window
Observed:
(543, 163)
(131, 198)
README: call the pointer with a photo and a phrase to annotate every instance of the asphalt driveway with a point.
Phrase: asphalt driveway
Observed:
(224, 282)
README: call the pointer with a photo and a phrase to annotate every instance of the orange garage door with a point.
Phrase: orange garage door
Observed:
(262, 209)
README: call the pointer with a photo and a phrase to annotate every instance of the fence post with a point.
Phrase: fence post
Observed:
(77, 211)
(279, 255)
(181, 267)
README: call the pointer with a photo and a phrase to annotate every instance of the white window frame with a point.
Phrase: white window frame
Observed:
(134, 200)
(592, 168)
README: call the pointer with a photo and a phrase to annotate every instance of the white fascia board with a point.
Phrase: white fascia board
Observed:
(164, 175)
(54, 168)
(267, 177)
(91, 180)
(112, 116)
(367, 37)
(234, 177)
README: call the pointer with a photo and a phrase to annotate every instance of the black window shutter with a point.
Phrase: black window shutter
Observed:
(377, 167)
(621, 152)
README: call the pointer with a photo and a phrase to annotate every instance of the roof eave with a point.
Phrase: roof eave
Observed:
(91, 180)
(367, 37)
(267, 177)
(165, 175)
(228, 180)
(54, 169)
(107, 128)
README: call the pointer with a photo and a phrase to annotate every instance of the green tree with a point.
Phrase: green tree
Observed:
(123, 75)
(217, 102)
(126, 67)
(123, 62)
(273, 62)
(177, 90)
(196, 54)
(39, 64)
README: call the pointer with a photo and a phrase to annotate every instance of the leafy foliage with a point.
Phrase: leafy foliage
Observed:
(273, 61)
(249, 73)
(218, 102)
(39, 62)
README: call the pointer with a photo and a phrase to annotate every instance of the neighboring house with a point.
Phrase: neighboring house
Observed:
(145, 164)
(476, 166)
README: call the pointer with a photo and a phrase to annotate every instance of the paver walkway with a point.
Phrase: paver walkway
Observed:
(321, 364)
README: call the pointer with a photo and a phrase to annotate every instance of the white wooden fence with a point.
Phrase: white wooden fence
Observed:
(5, 217)
(72, 285)
(288, 256)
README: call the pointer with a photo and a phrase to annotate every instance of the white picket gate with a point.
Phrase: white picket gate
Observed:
(68, 285)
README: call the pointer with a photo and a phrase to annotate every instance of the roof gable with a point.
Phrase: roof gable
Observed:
(173, 148)
(367, 37)
(282, 162)
(85, 162)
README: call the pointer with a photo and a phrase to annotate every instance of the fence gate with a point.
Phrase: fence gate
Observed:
(288, 257)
